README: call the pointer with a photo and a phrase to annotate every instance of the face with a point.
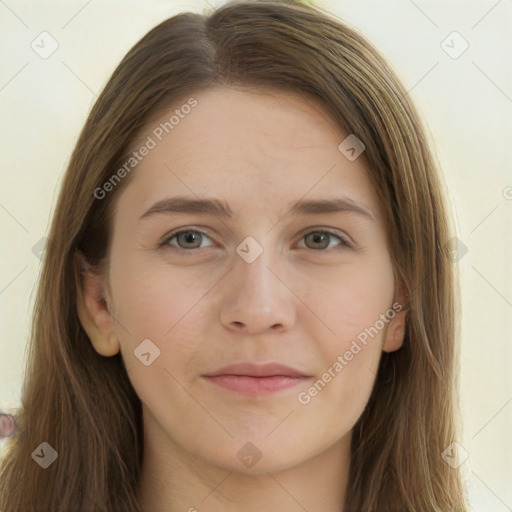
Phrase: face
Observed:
(293, 293)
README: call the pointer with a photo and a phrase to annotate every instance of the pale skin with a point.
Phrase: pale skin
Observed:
(301, 302)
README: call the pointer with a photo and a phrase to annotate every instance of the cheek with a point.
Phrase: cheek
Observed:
(350, 299)
(352, 304)
(349, 359)
(150, 300)
(164, 306)
(333, 404)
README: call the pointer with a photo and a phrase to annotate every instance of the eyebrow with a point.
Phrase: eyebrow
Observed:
(183, 204)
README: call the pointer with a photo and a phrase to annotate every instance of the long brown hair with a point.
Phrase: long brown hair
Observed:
(84, 405)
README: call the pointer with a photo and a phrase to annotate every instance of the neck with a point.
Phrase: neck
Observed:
(173, 480)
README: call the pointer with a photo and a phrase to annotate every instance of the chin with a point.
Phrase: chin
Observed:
(255, 458)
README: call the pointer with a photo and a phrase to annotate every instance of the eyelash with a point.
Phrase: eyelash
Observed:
(164, 243)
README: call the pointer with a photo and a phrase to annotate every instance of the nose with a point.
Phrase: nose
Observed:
(257, 298)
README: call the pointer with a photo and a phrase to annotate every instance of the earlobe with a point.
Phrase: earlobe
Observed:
(93, 311)
(395, 333)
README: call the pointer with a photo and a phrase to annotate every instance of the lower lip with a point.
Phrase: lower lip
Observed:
(256, 385)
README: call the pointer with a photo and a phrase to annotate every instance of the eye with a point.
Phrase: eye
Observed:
(190, 240)
(321, 239)
(187, 239)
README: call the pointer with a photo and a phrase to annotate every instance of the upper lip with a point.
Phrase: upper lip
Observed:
(257, 370)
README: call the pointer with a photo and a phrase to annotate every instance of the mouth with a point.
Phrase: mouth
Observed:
(252, 379)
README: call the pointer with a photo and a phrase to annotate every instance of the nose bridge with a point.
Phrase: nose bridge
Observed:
(256, 298)
(253, 267)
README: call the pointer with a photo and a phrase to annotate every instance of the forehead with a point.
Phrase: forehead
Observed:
(251, 146)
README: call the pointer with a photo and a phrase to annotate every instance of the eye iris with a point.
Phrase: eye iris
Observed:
(189, 237)
(318, 237)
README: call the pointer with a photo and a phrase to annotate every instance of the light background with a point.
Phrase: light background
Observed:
(467, 106)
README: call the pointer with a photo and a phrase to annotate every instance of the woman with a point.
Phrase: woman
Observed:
(263, 370)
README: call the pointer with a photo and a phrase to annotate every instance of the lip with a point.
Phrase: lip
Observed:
(253, 379)
(258, 370)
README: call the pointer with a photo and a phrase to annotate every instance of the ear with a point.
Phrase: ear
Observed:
(93, 309)
(395, 332)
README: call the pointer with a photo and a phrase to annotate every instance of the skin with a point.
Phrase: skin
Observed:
(301, 302)
(6, 426)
